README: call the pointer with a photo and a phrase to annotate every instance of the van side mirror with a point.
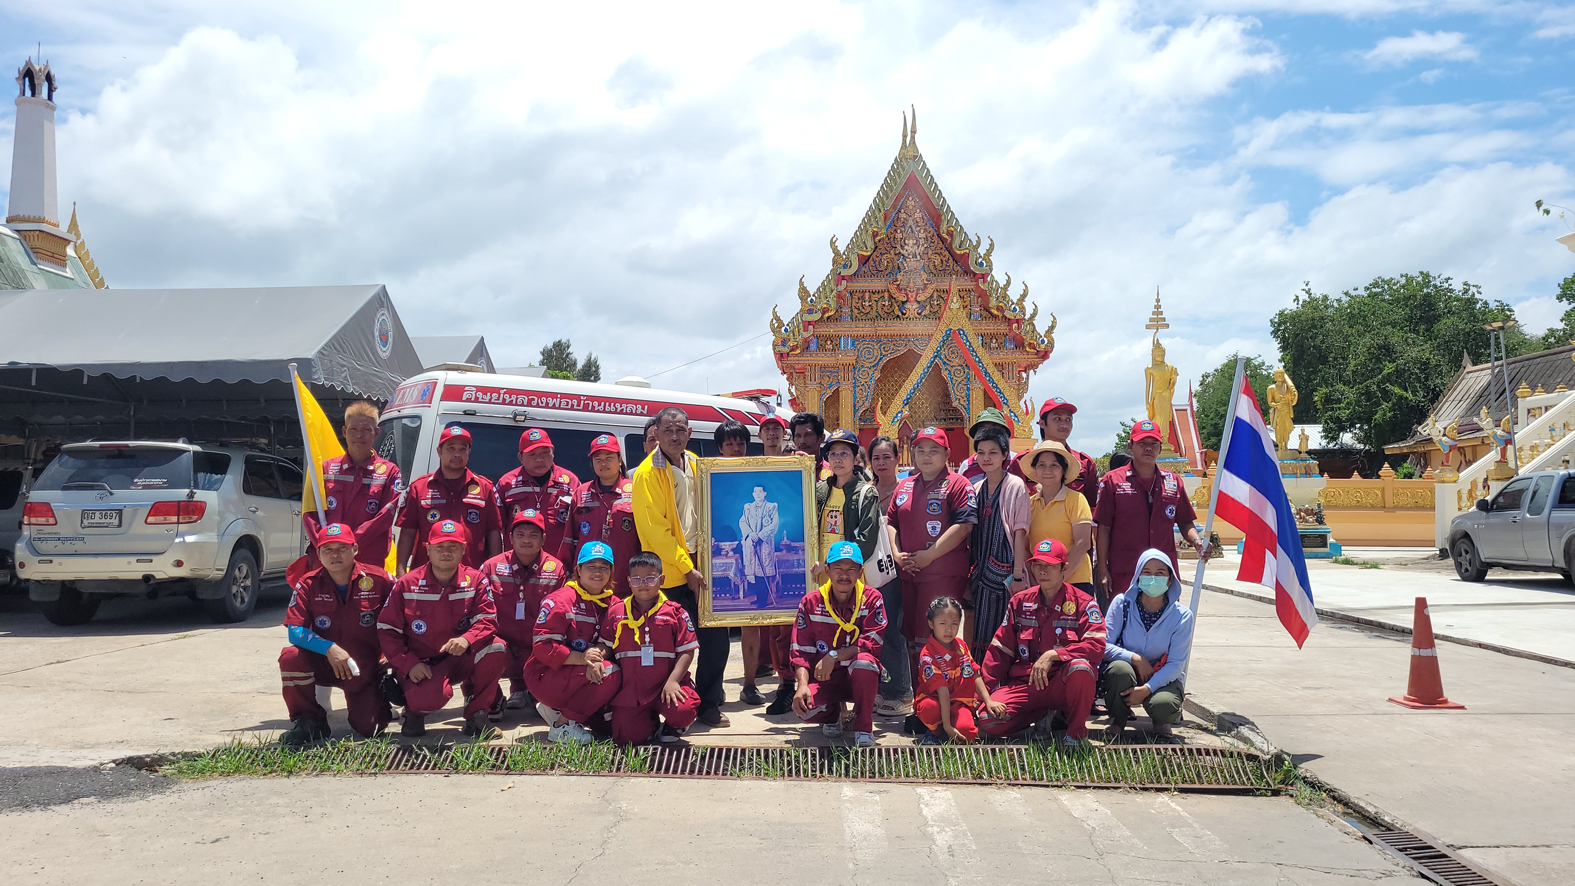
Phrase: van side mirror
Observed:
(1482, 505)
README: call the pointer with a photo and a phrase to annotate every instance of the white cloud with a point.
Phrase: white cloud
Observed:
(1444, 45)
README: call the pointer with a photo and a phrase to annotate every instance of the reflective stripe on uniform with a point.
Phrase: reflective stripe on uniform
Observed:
(543, 638)
(385, 626)
(495, 647)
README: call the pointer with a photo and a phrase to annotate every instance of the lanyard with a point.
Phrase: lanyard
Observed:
(587, 596)
(850, 626)
(635, 624)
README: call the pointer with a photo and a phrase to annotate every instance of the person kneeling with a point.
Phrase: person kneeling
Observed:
(438, 628)
(1043, 656)
(949, 683)
(836, 647)
(1146, 656)
(332, 624)
(653, 643)
(568, 672)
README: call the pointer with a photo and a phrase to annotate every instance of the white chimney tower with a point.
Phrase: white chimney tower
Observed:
(34, 212)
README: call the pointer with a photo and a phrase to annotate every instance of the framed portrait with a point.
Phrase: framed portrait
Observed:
(757, 538)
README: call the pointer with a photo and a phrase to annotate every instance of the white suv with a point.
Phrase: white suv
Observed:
(158, 519)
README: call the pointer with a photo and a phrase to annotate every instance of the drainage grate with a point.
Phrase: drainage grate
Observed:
(1433, 862)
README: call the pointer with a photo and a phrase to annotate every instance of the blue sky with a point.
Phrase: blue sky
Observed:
(650, 182)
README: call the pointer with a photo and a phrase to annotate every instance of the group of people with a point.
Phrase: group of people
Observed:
(1024, 585)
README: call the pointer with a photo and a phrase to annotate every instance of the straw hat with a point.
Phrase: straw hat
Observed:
(1026, 460)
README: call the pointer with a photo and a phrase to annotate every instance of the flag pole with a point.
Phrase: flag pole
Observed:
(1214, 482)
(314, 474)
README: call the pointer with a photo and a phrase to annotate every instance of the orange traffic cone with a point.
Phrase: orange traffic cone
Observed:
(1425, 688)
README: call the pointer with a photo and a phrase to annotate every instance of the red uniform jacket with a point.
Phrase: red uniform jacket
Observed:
(1087, 481)
(815, 630)
(666, 630)
(351, 622)
(364, 498)
(518, 490)
(467, 501)
(421, 615)
(567, 623)
(1141, 515)
(922, 512)
(604, 515)
(1071, 622)
(517, 592)
(952, 668)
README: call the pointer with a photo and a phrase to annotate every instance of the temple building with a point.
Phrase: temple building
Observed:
(910, 327)
(35, 253)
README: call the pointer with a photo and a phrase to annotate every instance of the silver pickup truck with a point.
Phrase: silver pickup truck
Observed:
(1527, 524)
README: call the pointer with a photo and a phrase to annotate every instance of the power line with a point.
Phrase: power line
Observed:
(710, 355)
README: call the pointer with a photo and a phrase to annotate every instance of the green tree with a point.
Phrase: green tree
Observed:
(1214, 392)
(1560, 335)
(558, 357)
(1123, 439)
(590, 369)
(1371, 362)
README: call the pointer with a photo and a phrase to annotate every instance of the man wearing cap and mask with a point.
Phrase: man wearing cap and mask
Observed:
(540, 485)
(452, 492)
(1055, 423)
(1140, 506)
(521, 577)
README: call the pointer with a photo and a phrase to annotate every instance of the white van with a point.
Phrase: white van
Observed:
(496, 409)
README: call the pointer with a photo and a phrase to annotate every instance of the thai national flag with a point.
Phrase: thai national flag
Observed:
(1252, 498)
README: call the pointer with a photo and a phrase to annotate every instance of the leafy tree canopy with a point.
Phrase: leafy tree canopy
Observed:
(558, 361)
(1560, 335)
(1214, 391)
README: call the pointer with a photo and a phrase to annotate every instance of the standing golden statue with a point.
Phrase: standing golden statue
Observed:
(1282, 408)
(1159, 381)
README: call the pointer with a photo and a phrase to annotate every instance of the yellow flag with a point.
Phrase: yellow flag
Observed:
(321, 443)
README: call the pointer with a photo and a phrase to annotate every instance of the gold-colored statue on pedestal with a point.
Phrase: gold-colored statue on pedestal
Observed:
(1159, 382)
(1282, 408)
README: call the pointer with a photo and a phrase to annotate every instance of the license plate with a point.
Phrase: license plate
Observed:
(108, 518)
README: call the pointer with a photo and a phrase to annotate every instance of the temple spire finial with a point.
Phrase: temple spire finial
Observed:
(913, 134)
(905, 130)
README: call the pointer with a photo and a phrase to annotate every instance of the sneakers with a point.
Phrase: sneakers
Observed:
(783, 702)
(751, 695)
(414, 725)
(304, 732)
(548, 715)
(863, 739)
(891, 708)
(518, 700)
(764, 670)
(928, 739)
(667, 734)
(476, 723)
(831, 730)
(1114, 731)
(495, 711)
(1163, 734)
(714, 718)
(1068, 743)
(570, 732)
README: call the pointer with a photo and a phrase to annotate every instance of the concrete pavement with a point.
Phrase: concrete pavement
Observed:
(482, 828)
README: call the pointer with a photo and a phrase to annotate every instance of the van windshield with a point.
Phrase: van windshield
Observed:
(118, 469)
(397, 440)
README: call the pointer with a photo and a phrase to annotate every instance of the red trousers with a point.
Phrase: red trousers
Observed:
(856, 683)
(636, 725)
(567, 691)
(303, 671)
(777, 639)
(918, 592)
(515, 656)
(928, 709)
(476, 670)
(1070, 691)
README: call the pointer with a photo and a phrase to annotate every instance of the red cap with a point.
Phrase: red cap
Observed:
(934, 435)
(453, 432)
(774, 419)
(1049, 551)
(1054, 403)
(1145, 430)
(336, 533)
(535, 438)
(447, 530)
(604, 443)
(528, 515)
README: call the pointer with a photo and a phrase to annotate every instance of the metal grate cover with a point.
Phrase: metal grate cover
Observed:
(1433, 862)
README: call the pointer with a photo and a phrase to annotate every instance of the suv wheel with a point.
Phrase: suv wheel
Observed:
(1468, 565)
(72, 607)
(239, 585)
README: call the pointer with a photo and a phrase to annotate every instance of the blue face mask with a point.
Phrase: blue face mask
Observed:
(1153, 585)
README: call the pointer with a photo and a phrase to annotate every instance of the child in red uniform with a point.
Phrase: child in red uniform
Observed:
(603, 511)
(521, 577)
(836, 647)
(949, 683)
(651, 639)
(568, 672)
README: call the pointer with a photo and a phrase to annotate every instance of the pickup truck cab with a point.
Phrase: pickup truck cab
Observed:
(1527, 524)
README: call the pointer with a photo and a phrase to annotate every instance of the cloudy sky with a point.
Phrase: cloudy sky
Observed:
(650, 180)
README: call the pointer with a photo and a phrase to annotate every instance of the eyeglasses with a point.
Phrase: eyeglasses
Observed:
(649, 581)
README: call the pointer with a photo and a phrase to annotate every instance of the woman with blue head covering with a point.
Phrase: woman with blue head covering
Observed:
(1149, 635)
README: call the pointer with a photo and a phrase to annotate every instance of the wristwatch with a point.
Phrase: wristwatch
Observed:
(832, 655)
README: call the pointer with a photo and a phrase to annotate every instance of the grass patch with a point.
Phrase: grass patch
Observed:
(1352, 561)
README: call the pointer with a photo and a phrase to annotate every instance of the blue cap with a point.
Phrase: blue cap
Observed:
(844, 550)
(596, 550)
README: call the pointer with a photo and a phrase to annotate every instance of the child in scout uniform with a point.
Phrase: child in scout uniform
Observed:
(568, 672)
(950, 685)
(653, 643)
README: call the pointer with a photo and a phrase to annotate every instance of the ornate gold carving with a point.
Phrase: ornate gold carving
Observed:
(47, 246)
(83, 256)
(705, 468)
(1332, 497)
(1414, 498)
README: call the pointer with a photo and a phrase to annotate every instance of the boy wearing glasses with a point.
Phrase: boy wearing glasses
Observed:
(652, 641)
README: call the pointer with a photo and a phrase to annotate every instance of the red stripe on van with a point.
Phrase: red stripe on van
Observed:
(742, 416)
(522, 397)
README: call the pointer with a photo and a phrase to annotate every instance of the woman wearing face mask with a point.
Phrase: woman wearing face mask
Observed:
(1149, 636)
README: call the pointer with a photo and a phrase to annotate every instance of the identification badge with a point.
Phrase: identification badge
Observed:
(647, 656)
(519, 610)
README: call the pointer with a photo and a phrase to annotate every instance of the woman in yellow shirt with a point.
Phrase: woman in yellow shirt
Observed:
(1058, 512)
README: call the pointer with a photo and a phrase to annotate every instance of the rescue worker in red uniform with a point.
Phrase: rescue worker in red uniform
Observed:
(520, 578)
(930, 519)
(603, 511)
(1140, 506)
(332, 625)
(1055, 423)
(836, 647)
(439, 628)
(1045, 656)
(452, 492)
(539, 484)
(951, 686)
(360, 489)
(569, 672)
(653, 643)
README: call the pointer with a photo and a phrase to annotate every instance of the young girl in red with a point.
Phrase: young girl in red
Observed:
(949, 682)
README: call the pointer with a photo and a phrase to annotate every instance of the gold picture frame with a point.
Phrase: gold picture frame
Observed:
(723, 558)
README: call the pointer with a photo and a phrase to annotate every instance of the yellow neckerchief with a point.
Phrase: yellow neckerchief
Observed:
(849, 626)
(629, 619)
(587, 596)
